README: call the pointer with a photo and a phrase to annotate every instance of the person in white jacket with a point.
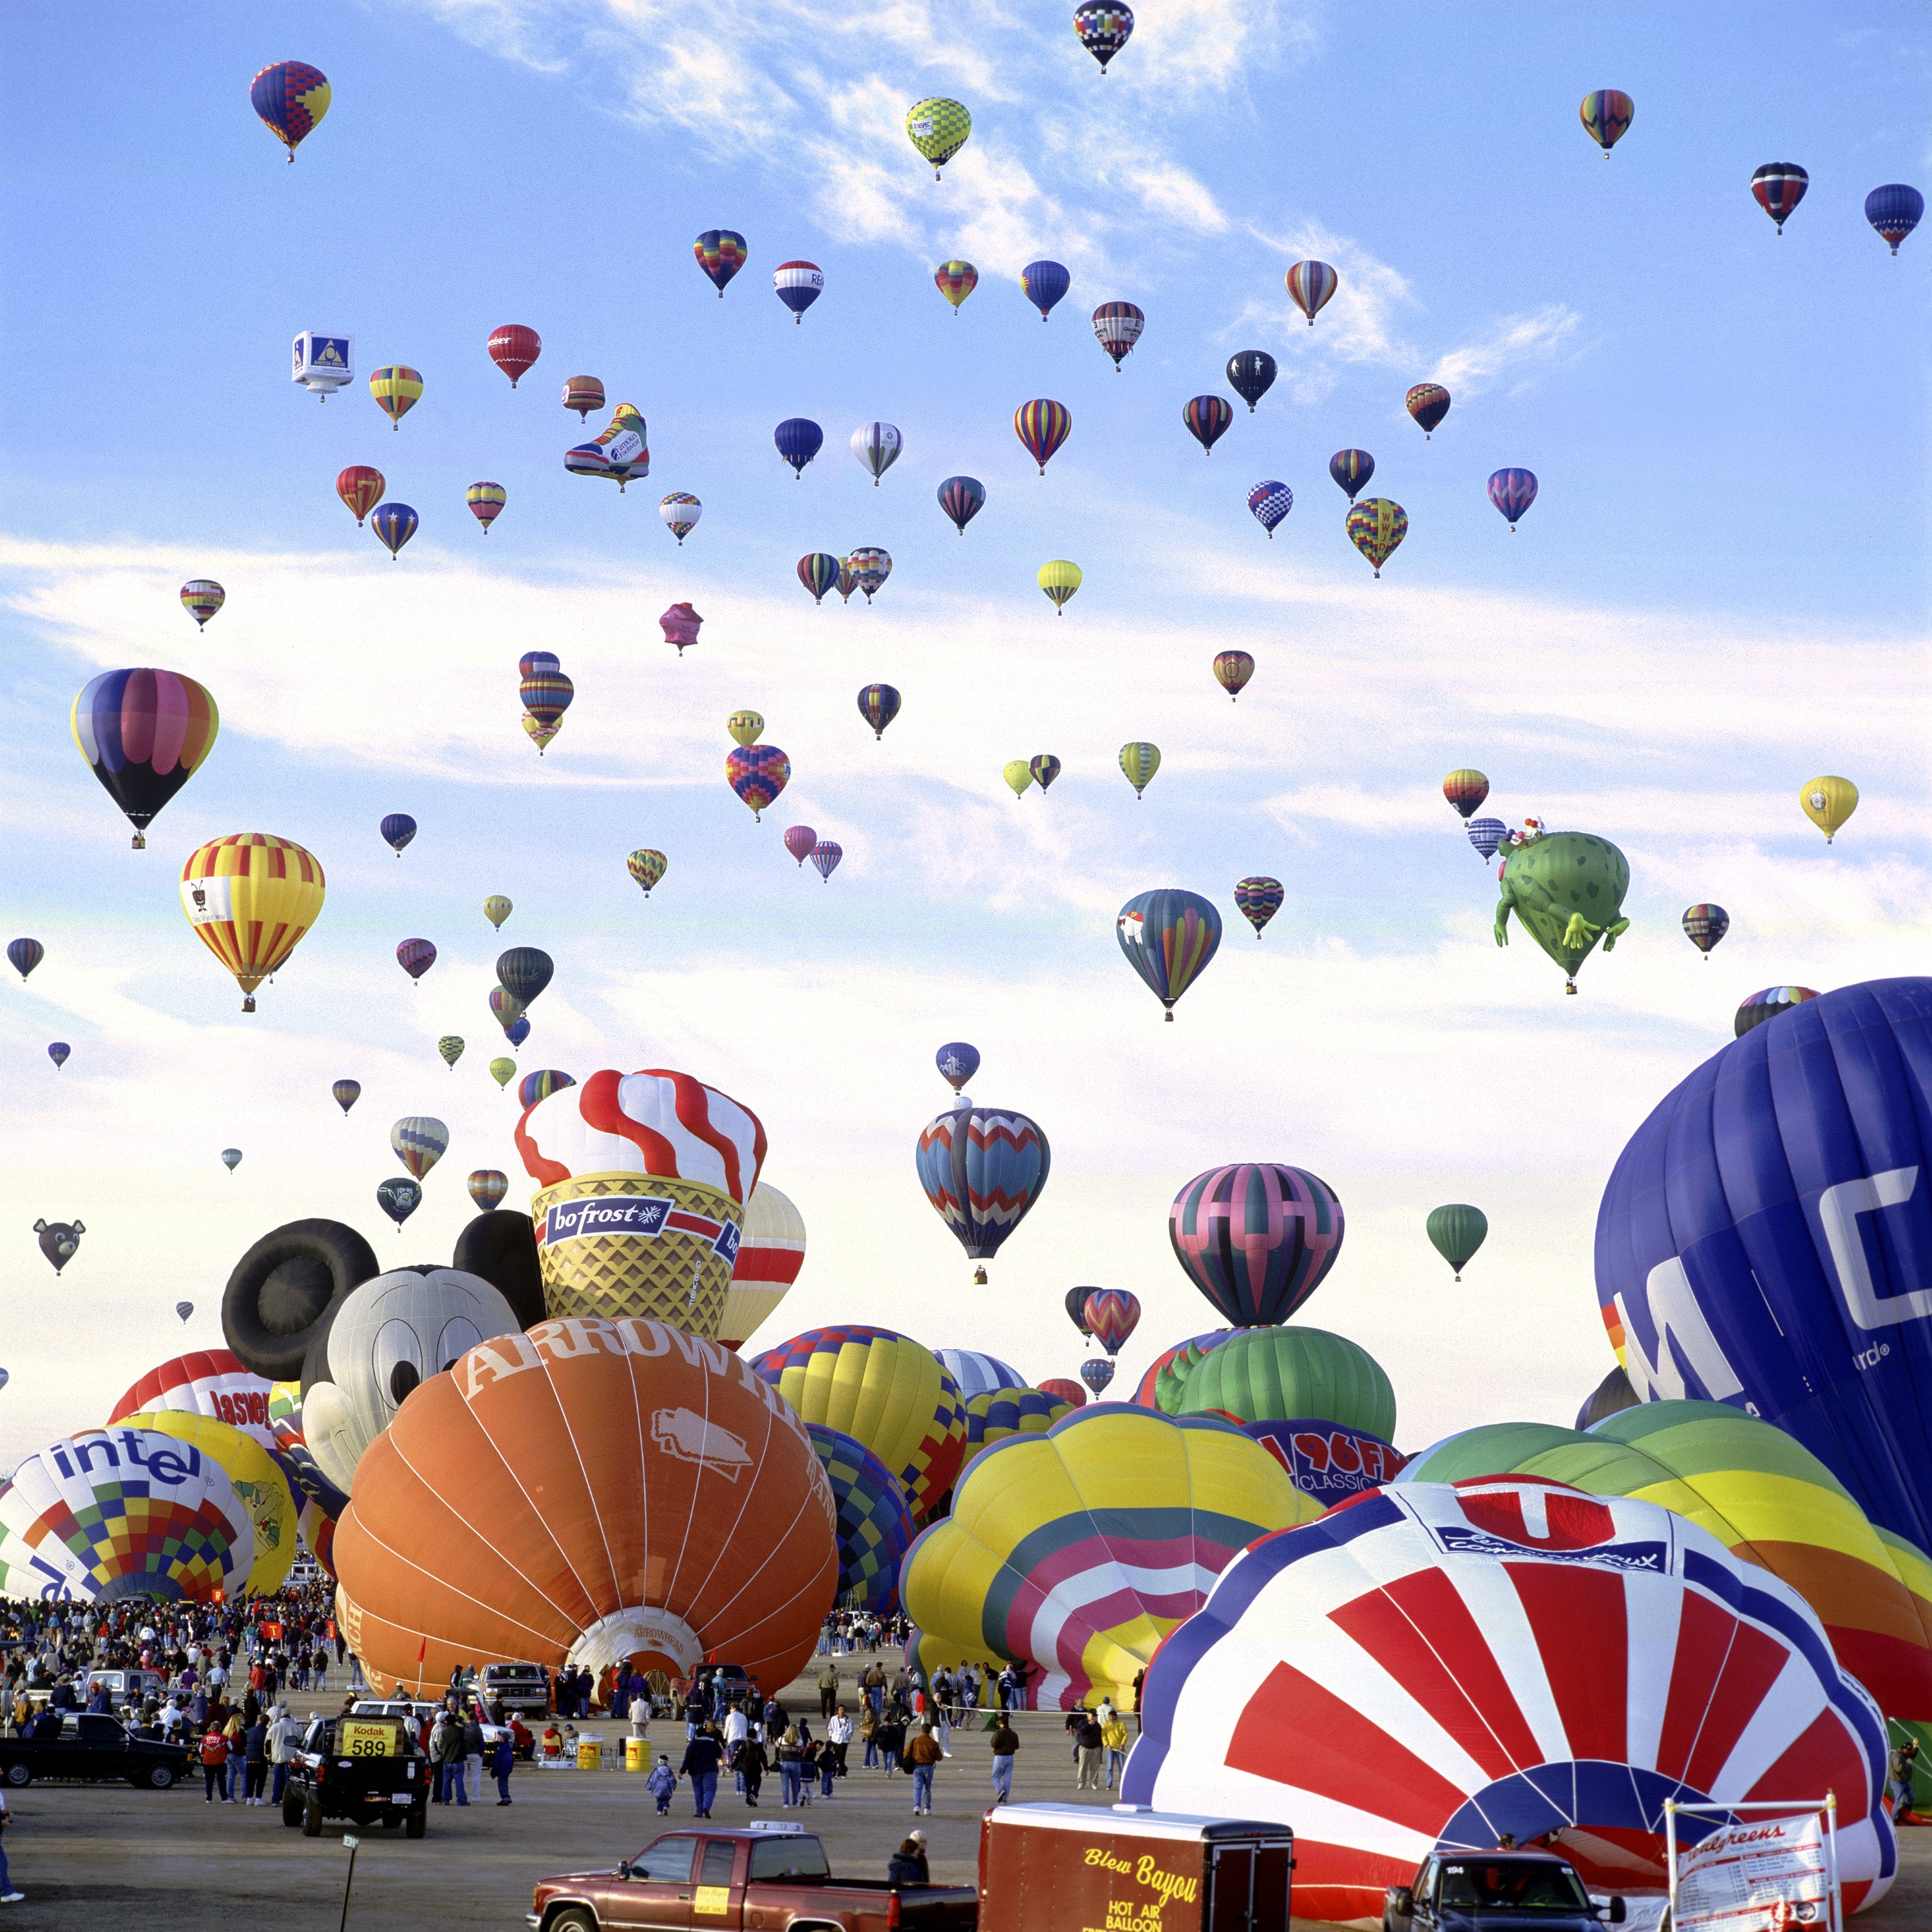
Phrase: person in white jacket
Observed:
(737, 1728)
(284, 1738)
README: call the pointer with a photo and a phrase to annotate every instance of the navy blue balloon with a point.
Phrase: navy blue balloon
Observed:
(1765, 1240)
(957, 1061)
(1894, 211)
(398, 828)
(398, 1197)
(1045, 284)
(799, 439)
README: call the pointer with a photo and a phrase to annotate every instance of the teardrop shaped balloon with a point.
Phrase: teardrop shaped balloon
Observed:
(1376, 528)
(1111, 1315)
(397, 830)
(825, 857)
(1486, 835)
(523, 972)
(798, 285)
(870, 567)
(1207, 417)
(1606, 114)
(962, 498)
(955, 280)
(958, 1060)
(799, 841)
(397, 389)
(1169, 937)
(506, 1006)
(488, 1186)
(1096, 1373)
(394, 524)
(24, 955)
(1017, 773)
(720, 252)
(818, 571)
(486, 501)
(361, 488)
(646, 867)
(1828, 802)
(1778, 187)
(1269, 502)
(679, 512)
(398, 1198)
(1232, 671)
(1352, 469)
(451, 1047)
(1044, 768)
(291, 97)
(518, 1031)
(496, 909)
(1513, 491)
(1042, 426)
(1139, 761)
(1059, 579)
(877, 445)
(201, 597)
(416, 957)
(798, 439)
(1251, 374)
(1310, 286)
(937, 127)
(1045, 282)
(59, 1051)
(184, 1309)
(542, 1085)
(878, 705)
(982, 1169)
(758, 773)
(1259, 899)
(231, 1158)
(1428, 403)
(1704, 925)
(1466, 789)
(420, 1141)
(144, 734)
(1894, 211)
(1257, 1238)
(1118, 326)
(346, 1093)
(250, 898)
(1456, 1232)
(502, 1071)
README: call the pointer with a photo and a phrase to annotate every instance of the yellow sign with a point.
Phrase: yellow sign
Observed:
(712, 1898)
(361, 1738)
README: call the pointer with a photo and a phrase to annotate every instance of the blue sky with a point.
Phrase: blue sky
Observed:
(1720, 592)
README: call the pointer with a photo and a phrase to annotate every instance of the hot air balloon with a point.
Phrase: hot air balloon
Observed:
(957, 1061)
(396, 390)
(874, 1523)
(420, 1142)
(1325, 1460)
(758, 773)
(819, 573)
(486, 501)
(798, 285)
(1259, 899)
(1096, 1373)
(1779, 186)
(799, 439)
(1269, 501)
(1059, 579)
(518, 1031)
(1257, 1238)
(799, 841)
(1117, 327)
(1894, 211)
(58, 1052)
(1140, 1514)
(523, 972)
(546, 694)
(878, 705)
(144, 734)
(1421, 1625)
(825, 856)
(184, 1309)
(994, 1414)
(646, 867)
(108, 1514)
(1251, 373)
(496, 909)
(416, 957)
(1075, 1305)
(1111, 1315)
(488, 1186)
(1606, 116)
(514, 349)
(1704, 925)
(1513, 491)
(1232, 671)
(59, 1241)
(745, 726)
(870, 567)
(502, 1071)
(982, 1169)
(506, 1006)
(771, 1252)
(398, 1199)
(1568, 889)
(250, 897)
(1207, 417)
(679, 513)
(1168, 936)
(346, 1093)
(877, 445)
(1352, 469)
(955, 280)
(394, 524)
(1310, 284)
(1486, 835)
(721, 254)
(513, 1468)
(621, 454)
(396, 830)
(1456, 1232)
(1045, 282)
(1466, 788)
(583, 394)
(883, 1388)
(201, 597)
(937, 128)
(1758, 1007)
(1428, 403)
(1376, 528)
(979, 1375)
(231, 1158)
(962, 498)
(541, 1085)
(451, 1048)
(1828, 802)
(1017, 773)
(1104, 28)
(1058, 1389)
(680, 625)
(1042, 427)
(1044, 768)
(1139, 761)
(210, 1382)
(291, 98)
(361, 488)
(24, 955)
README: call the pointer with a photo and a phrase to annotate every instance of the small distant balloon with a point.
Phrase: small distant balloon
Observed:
(798, 285)
(870, 567)
(721, 253)
(1376, 528)
(1118, 326)
(1207, 417)
(398, 830)
(1059, 579)
(1513, 491)
(398, 1198)
(962, 498)
(486, 501)
(1097, 1372)
(24, 955)
(231, 1158)
(496, 909)
(518, 1031)
(347, 1093)
(825, 856)
(1232, 671)
(800, 841)
(1045, 282)
(583, 394)
(679, 513)
(1767, 1004)
(1044, 768)
(1104, 28)
(877, 445)
(361, 488)
(938, 128)
(291, 98)
(507, 1007)
(420, 1141)
(955, 280)
(1269, 501)
(502, 1071)
(958, 1060)
(1310, 287)
(201, 597)
(819, 573)
(184, 1309)
(1251, 373)
(1428, 403)
(58, 1051)
(1017, 773)
(1352, 469)
(1894, 210)
(798, 439)
(1486, 835)
(1259, 899)
(1607, 115)
(1704, 925)
(1139, 761)
(488, 1186)
(1042, 426)
(1827, 802)
(746, 728)
(680, 625)
(515, 349)
(397, 389)
(451, 1047)
(878, 705)
(523, 972)
(758, 773)
(394, 524)
(646, 866)
(1778, 187)
(1456, 1232)
(1466, 788)
(416, 957)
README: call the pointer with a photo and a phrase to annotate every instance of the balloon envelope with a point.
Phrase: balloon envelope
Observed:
(957, 1061)
(419, 1142)
(874, 1524)
(488, 1186)
(978, 1374)
(771, 1252)
(211, 1382)
(1169, 937)
(1111, 1315)
(1456, 1232)
(1256, 1238)
(1276, 1375)
(144, 733)
(250, 897)
(346, 1093)
(982, 1169)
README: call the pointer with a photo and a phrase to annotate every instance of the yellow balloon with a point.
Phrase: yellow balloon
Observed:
(1828, 802)
(496, 909)
(1140, 760)
(1060, 580)
(258, 1480)
(1018, 774)
(746, 726)
(250, 898)
(503, 1071)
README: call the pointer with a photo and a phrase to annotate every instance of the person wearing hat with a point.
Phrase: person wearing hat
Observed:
(662, 1784)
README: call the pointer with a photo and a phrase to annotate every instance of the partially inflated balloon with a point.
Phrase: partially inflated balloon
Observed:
(982, 1169)
(144, 733)
(875, 1522)
(1168, 936)
(1456, 1232)
(250, 898)
(1257, 1239)
(488, 1186)
(771, 1252)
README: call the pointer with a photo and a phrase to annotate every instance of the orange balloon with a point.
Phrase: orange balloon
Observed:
(591, 1492)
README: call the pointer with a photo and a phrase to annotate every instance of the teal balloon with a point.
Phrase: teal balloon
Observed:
(1457, 1231)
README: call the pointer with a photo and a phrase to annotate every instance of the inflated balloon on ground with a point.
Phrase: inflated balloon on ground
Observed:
(1278, 1374)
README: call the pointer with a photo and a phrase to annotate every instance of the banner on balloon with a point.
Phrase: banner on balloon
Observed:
(604, 1250)
(1764, 1876)
(1327, 1462)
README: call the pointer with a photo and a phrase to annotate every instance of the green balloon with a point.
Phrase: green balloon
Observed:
(1457, 1231)
(1568, 888)
(1282, 1374)
(1172, 1379)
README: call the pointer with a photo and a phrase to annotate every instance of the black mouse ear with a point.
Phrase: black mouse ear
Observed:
(284, 1286)
(501, 1246)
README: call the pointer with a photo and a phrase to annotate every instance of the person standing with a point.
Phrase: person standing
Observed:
(791, 1767)
(702, 1756)
(828, 1690)
(662, 1784)
(8, 1896)
(214, 1763)
(891, 1738)
(923, 1754)
(472, 1754)
(1005, 1742)
(1087, 1742)
(502, 1762)
(255, 1759)
(1114, 1740)
(838, 1741)
(751, 1763)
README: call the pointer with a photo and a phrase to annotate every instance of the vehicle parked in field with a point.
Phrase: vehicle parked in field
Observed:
(522, 1689)
(1462, 1891)
(126, 1689)
(79, 1745)
(366, 1768)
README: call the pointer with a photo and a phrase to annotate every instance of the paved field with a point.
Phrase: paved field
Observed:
(95, 1857)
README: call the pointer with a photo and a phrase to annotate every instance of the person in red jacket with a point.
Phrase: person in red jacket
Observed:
(214, 1761)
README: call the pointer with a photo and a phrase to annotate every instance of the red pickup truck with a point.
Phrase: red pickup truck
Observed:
(773, 1880)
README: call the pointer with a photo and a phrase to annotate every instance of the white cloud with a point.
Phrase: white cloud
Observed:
(1514, 341)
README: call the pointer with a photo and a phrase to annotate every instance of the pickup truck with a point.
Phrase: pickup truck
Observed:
(775, 1877)
(1461, 1891)
(366, 1768)
(77, 1744)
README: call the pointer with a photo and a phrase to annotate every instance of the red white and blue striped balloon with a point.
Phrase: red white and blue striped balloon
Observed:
(798, 285)
(1310, 284)
(1428, 1666)
(1256, 1238)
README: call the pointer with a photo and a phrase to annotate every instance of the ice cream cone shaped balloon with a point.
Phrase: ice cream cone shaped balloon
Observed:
(642, 1181)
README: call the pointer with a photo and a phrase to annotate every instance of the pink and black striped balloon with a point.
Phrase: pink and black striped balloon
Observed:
(1257, 1238)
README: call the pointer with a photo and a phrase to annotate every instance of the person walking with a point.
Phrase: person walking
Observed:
(1005, 1742)
(1114, 1740)
(750, 1764)
(737, 1730)
(473, 1755)
(1087, 1741)
(791, 1766)
(702, 1757)
(838, 1742)
(8, 1896)
(828, 1690)
(284, 1737)
(923, 1754)
(502, 1762)
(869, 1736)
(662, 1784)
(255, 1759)
(891, 1738)
(235, 1731)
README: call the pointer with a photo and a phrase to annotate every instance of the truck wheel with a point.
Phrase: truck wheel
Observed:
(20, 1773)
(161, 1777)
(571, 1919)
(312, 1818)
(417, 1824)
(291, 1813)
(391, 1819)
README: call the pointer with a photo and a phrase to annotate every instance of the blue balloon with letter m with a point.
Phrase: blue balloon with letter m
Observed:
(1766, 1239)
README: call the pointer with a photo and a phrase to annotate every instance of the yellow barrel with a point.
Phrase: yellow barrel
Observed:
(636, 1754)
(590, 1754)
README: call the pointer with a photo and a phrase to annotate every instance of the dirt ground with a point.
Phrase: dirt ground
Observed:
(90, 1857)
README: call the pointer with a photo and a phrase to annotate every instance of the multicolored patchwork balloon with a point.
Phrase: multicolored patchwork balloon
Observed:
(982, 1169)
(874, 1528)
(1259, 899)
(1256, 1238)
(1168, 936)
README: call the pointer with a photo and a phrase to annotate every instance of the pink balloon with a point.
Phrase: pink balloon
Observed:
(800, 842)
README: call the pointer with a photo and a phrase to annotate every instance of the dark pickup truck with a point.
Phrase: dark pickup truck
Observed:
(775, 1877)
(1489, 1891)
(366, 1769)
(77, 1744)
